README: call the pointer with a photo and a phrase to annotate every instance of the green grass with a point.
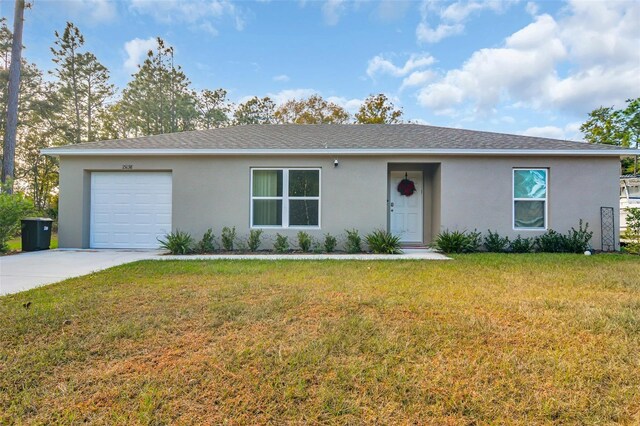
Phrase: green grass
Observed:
(15, 244)
(483, 339)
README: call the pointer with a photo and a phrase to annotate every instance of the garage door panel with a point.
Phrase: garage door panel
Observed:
(101, 218)
(121, 238)
(130, 209)
(162, 199)
(144, 219)
(145, 198)
(120, 198)
(101, 237)
(164, 218)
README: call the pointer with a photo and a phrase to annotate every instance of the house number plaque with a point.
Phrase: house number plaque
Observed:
(127, 167)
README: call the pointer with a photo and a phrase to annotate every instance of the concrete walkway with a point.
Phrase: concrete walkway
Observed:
(408, 254)
(25, 271)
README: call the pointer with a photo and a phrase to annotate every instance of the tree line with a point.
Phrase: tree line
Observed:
(78, 103)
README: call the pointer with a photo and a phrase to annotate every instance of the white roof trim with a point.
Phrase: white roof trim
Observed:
(192, 151)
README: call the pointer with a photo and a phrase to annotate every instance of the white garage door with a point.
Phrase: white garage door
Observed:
(129, 209)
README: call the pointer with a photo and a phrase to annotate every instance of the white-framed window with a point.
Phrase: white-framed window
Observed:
(285, 198)
(530, 198)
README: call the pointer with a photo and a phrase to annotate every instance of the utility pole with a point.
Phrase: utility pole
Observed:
(9, 145)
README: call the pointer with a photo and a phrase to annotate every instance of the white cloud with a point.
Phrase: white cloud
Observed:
(288, 94)
(198, 14)
(208, 27)
(392, 10)
(461, 10)
(380, 65)
(281, 78)
(136, 50)
(569, 132)
(531, 8)
(451, 19)
(95, 10)
(417, 78)
(332, 11)
(545, 132)
(426, 34)
(351, 105)
(586, 58)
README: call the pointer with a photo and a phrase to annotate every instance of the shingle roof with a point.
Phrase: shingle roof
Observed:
(334, 137)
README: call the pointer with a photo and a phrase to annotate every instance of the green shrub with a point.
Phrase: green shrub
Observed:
(255, 236)
(241, 246)
(177, 242)
(316, 246)
(207, 243)
(457, 241)
(354, 242)
(330, 243)
(494, 243)
(228, 238)
(522, 245)
(304, 241)
(282, 244)
(632, 233)
(577, 240)
(551, 242)
(13, 208)
(383, 242)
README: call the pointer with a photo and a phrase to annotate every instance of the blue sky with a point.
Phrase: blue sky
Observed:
(527, 67)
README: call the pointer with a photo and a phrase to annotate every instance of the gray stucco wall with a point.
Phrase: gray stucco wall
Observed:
(460, 192)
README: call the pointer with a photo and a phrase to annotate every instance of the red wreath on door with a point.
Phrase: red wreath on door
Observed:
(406, 186)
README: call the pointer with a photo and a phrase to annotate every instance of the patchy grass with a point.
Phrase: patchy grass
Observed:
(15, 244)
(504, 339)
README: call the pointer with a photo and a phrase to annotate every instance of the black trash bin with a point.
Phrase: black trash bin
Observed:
(36, 233)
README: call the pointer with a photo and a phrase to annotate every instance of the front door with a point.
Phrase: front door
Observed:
(405, 212)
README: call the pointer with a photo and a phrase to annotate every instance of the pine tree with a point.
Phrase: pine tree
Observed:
(94, 89)
(255, 111)
(214, 108)
(159, 98)
(83, 83)
(65, 56)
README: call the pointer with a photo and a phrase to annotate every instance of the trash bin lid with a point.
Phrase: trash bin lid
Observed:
(38, 219)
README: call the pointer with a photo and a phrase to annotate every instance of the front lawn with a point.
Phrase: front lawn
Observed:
(525, 339)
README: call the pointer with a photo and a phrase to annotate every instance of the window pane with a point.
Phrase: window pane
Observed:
(267, 183)
(530, 184)
(529, 214)
(267, 212)
(303, 212)
(304, 183)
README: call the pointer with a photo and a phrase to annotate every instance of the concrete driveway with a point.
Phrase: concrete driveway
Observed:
(25, 271)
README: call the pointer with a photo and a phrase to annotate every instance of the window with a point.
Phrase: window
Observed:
(530, 198)
(285, 198)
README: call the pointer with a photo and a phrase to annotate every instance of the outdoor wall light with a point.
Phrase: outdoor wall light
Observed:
(335, 163)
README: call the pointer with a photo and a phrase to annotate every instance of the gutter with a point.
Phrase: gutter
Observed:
(349, 152)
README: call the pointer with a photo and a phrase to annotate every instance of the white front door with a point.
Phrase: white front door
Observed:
(129, 209)
(405, 212)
